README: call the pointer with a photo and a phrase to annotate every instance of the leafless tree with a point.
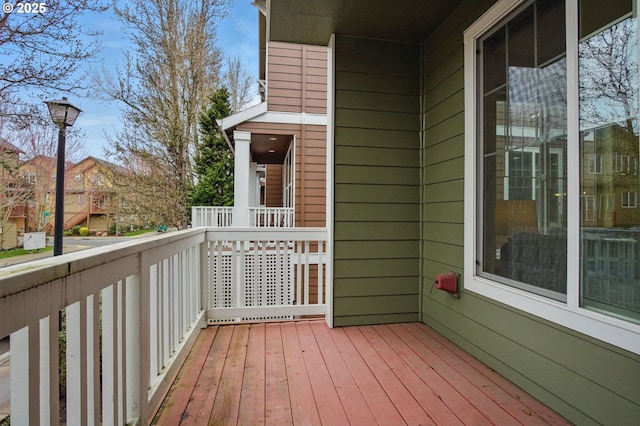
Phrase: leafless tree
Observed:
(241, 85)
(43, 50)
(163, 85)
(608, 77)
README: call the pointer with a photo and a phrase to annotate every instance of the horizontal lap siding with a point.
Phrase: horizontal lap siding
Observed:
(376, 182)
(297, 78)
(311, 165)
(273, 185)
(585, 380)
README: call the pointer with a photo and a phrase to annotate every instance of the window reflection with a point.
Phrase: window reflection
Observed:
(610, 149)
(524, 167)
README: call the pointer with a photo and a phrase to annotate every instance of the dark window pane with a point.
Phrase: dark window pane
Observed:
(521, 41)
(594, 16)
(551, 34)
(494, 61)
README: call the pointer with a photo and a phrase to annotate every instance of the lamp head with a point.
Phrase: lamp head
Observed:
(63, 113)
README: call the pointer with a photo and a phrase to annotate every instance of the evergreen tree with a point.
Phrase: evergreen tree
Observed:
(214, 160)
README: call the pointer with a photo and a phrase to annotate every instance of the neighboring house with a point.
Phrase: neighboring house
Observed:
(279, 145)
(10, 194)
(39, 172)
(485, 138)
(89, 196)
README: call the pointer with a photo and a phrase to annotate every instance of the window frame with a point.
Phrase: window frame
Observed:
(569, 314)
(629, 199)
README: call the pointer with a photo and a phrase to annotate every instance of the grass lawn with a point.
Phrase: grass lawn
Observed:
(19, 252)
(138, 232)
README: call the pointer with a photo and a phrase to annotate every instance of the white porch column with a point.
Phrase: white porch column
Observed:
(241, 178)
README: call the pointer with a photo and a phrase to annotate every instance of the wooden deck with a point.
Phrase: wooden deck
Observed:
(304, 373)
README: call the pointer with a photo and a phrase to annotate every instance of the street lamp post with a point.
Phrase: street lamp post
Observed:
(63, 114)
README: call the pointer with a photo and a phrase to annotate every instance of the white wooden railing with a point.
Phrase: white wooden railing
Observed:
(260, 217)
(266, 273)
(271, 217)
(133, 311)
(211, 216)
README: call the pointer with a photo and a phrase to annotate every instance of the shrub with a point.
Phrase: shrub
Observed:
(83, 231)
(76, 229)
(68, 233)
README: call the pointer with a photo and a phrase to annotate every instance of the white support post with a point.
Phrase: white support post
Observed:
(241, 178)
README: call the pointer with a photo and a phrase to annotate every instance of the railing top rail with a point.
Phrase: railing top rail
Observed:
(212, 207)
(271, 208)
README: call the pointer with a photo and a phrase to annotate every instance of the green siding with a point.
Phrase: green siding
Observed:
(585, 380)
(377, 182)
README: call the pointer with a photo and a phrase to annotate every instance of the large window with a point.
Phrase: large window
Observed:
(552, 161)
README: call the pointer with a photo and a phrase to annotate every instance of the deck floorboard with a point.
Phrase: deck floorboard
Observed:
(304, 373)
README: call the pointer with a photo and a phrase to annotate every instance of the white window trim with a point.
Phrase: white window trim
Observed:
(631, 199)
(594, 165)
(568, 314)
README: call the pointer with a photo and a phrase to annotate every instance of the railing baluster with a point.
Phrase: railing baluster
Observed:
(259, 267)
(320, 273)
(25, 394)
(298, 253)
(76, 361)
(49, 369)
(165, 312)
(132, 349)
(306, 272)
(154, 320)
(109, 357)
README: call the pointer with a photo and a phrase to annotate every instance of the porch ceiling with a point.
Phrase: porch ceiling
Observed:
(269, 148)
(313, 21)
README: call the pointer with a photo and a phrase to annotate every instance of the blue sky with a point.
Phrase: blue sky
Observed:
(237, 35)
